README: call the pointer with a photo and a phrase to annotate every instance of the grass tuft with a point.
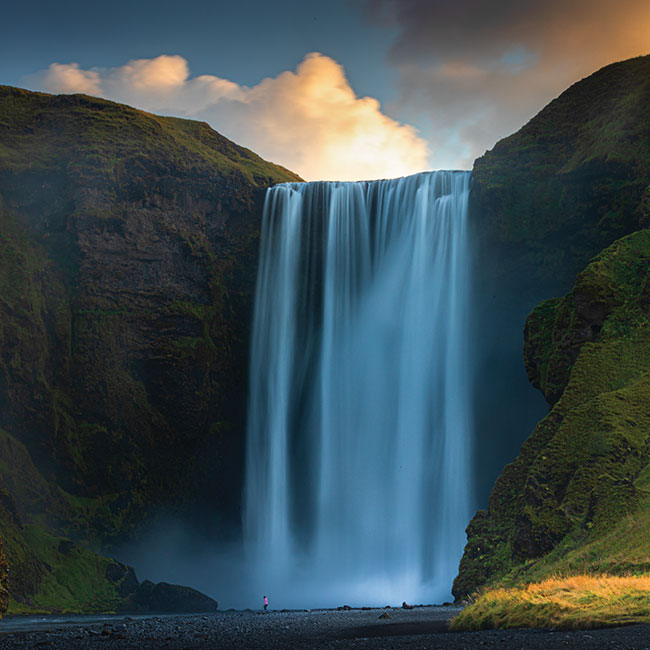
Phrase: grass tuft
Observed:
(578, 602)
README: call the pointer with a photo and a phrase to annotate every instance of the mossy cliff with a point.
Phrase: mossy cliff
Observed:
(128, 246)
(4, 582)
(577, 497)
(545, 201)
(49, 572)
(570, 182)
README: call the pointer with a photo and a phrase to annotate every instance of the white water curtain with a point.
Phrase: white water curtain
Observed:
(358, 449)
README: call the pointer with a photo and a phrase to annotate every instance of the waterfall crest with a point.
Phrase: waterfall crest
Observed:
(358, 443)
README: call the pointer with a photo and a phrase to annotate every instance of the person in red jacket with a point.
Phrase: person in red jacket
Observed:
(266, 603)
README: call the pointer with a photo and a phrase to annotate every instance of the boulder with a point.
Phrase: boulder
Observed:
(163, 597)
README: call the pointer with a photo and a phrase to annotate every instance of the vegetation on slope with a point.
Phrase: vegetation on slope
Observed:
(48, 571)
(578, 602)
(544, 202)
(93, 137)
(573, 179)
(581, 482)
(128, 246)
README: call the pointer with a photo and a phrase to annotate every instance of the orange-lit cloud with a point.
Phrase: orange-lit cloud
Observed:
(71, 79)
(310, 120)
(596, 30)
(479, 69)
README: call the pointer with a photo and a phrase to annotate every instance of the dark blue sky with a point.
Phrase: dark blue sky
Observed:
(242, 40)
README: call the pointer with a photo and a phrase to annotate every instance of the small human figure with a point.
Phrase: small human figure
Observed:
(266, 603)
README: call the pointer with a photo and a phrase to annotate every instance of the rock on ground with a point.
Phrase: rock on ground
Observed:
(422, 628)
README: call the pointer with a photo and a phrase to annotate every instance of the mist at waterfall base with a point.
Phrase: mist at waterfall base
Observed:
(358, 479)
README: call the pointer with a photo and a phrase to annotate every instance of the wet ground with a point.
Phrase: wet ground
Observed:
(422, 628)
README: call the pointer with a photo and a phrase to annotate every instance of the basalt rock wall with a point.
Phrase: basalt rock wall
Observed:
(546, 201)
(128, 254)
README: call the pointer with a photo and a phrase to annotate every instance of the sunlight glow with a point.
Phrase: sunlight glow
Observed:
(311, 121)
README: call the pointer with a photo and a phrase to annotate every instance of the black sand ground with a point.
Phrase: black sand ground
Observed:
(423, 628)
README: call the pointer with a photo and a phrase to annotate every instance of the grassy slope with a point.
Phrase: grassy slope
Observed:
(76, 409)
(99, 137)
(572, 180)
(582, 480)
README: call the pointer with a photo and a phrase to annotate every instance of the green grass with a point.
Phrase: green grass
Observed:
(92, 137)
(75, 580)
(585, 470)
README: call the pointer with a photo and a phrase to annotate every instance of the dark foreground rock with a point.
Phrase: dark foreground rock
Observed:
(163, 597)
(421, 628)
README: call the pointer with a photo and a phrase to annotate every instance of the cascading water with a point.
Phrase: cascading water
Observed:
(357, 486)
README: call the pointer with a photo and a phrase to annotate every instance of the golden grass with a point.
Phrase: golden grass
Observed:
(576, 602)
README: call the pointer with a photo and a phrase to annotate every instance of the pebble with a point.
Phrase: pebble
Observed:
(422, 628)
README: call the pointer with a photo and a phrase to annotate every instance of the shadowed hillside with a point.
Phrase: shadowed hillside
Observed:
(128, 246)
(545, 200)
(571, 181)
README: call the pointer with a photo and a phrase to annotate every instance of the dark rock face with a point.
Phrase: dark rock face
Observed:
(124, 356)
(163, 597)
(544, 202)
(128, 247)
(4, 582)
(578, 487)
(123, 577)
(571, 181)
(643, 209)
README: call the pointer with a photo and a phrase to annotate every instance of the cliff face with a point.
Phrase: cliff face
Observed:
(571, 181)
(4, 582)
(128, 247)
(581, 482)
(544, 202)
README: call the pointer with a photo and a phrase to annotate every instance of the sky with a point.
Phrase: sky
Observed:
(342, 90)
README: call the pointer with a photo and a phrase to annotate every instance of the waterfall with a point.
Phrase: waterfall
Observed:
(359, 425)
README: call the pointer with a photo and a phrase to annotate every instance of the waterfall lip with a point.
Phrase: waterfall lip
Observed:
(359, 434)
(373, 180)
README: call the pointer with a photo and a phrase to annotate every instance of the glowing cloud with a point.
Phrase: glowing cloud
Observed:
(310, 120)
(70, 79)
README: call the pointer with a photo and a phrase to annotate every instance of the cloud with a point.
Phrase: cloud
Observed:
(479, 69)
(71, 79)
(310, 120)
(483, 29)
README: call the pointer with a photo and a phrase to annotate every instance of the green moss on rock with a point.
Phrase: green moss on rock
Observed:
(74, 579)
(128, 248)
(4, 582)
(585, 467)
(570, 182)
